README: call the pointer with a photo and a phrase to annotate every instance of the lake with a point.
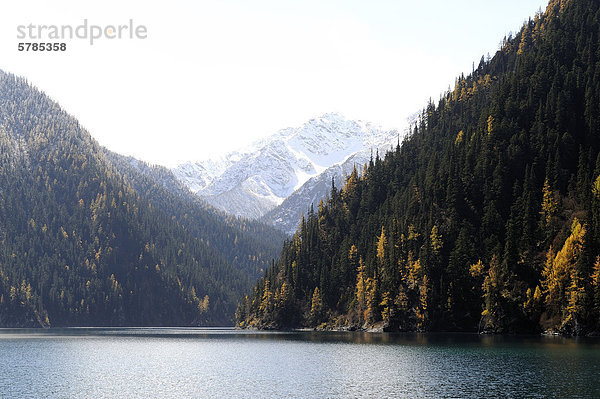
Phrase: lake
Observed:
(225, 363)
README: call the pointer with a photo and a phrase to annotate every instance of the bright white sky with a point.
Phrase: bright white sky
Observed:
(214, 75)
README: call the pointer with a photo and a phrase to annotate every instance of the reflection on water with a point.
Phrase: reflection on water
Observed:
(225, 363)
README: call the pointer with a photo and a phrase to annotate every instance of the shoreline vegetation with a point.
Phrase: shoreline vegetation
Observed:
(324, 327)
(380, 328)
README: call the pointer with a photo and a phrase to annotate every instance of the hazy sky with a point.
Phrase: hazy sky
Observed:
(212, 76)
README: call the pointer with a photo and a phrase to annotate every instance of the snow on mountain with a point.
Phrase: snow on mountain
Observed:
(286, 216)
(198, 175)
(254, 181)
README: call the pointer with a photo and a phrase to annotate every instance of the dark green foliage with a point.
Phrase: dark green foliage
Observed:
(88, 237)
(500, 169)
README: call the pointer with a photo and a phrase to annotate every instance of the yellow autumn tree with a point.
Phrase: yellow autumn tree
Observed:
(349, 189)
(204, 304)
(477, 269)
(284, 295)
(316, 307)
(595, 280)
(414, 273)
(266, 305)
(575, 299)
(436, 240)
(422, 306)
(549, 203)
(361, 291)
(493, 286)
(371, 300)
(596, 188)
(401, 301)
(413, 234)
(387, 310)
(526, 40)
(533, 302)
(459, 138)
(490, 125)
(550, 282)
(381, 244)
(560, 283)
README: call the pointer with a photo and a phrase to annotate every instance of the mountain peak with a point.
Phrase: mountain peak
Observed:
(272, 168)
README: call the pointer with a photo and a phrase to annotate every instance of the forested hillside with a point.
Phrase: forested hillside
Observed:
(485, 218)
(248, 245)
(91, 238)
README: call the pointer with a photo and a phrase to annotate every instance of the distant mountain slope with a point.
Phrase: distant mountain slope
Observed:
(91, 238)
(247, 244)
(486, 218)
(288, 214)
(254, 181)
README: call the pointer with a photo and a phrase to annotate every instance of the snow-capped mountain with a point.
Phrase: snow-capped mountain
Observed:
(286, 216)
(256, 180)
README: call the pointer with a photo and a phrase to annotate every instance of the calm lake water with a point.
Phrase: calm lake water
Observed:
(223, 363)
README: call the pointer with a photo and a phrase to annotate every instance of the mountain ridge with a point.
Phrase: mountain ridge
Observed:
(254, 181)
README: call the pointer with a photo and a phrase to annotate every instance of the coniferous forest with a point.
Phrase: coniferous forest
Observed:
(485, 218)
(88, 237)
